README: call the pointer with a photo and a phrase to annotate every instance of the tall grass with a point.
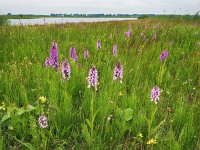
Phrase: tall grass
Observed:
(121, 116)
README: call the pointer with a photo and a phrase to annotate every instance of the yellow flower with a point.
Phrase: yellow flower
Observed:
(120, 93)
(152, 141)
(42, 99)
(140, 135)
(3, 107)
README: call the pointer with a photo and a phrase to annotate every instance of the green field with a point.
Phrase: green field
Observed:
(117, 115)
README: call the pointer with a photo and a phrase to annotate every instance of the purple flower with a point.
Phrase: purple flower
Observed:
(66, 70)
(115, 50)
(155, 93)
(73, 54)
(163, 55)
(98, 44)
(93, 78)
(47, 62)
(43, 121)
(118, 72)
(54, 56)
(128, 34)
(86, 53)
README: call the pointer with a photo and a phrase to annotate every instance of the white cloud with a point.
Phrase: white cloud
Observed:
(100, 6)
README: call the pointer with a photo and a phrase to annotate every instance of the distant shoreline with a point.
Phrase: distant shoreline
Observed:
(37, 17)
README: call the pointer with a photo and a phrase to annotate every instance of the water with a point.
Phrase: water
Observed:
(62, 20)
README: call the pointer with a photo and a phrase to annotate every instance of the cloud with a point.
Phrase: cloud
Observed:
(100, 6)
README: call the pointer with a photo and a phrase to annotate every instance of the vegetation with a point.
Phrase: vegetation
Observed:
(3, 21)
(195, 17)
(117, 115)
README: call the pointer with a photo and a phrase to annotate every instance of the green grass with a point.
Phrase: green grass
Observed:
(3, 21)
(22, 16)
(176, 18)
(71, 118)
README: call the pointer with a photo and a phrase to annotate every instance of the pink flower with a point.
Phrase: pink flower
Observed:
(118, 72)
(93, 78)
(66, 70)
(54, 56)
(98, 44)
(155, 93)
(73, 54)
(43, 121)
(163, 55)
(115, 50)
(86, 53)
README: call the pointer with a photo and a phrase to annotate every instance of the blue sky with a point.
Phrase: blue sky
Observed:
(100, 6)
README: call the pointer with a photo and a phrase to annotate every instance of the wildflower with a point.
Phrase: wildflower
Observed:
(2, 106)
(109, 118)
(98, 44)
(54, 56)
(42, 99)
(93, 78)
(73, 54)
(140, 135)
(66, 70)
(115, 50)
(118, 72)
(128, 34)
(151, 142)
(154, 36)
(86, 53)
(163, 55)
(47, 62)
(43, 121)
(155, 93)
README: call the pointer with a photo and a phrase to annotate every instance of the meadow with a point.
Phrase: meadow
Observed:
(116, 115)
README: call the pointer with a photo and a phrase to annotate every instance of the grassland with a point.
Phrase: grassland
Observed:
(122, 115)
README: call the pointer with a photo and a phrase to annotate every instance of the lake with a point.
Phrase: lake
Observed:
(62, 20)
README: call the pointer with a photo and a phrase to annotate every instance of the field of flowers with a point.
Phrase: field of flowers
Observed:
(108, 85)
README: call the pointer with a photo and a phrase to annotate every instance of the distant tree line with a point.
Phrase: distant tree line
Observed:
(99, 15)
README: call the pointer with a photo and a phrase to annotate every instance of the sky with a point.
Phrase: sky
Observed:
(99, 6)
